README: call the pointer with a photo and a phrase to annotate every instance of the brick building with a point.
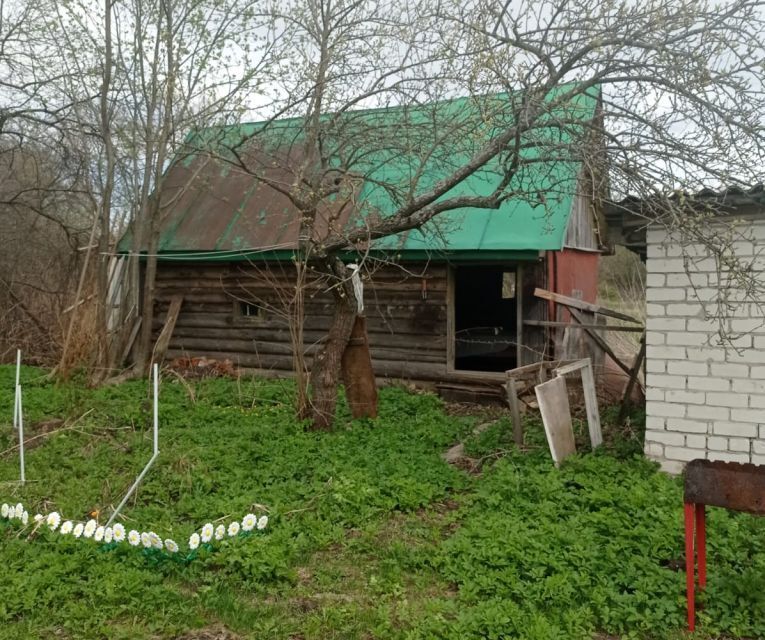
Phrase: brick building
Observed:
(705, 357)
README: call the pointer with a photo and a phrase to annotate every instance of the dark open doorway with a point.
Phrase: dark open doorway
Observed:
(485, 318)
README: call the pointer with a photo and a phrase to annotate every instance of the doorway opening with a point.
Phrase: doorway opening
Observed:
(485, 318)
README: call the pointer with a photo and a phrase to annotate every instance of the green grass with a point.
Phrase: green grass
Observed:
(371, 534)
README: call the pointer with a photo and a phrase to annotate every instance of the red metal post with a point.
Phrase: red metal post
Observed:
(690, 512)
(701, 543)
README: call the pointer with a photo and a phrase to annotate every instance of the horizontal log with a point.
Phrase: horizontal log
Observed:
(399, 341)
(596, 327)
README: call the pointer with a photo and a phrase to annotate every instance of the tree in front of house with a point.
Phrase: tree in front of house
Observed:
(678, 102)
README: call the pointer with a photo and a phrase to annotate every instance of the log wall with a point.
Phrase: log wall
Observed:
(406, 316)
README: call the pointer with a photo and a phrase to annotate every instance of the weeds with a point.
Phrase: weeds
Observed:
(371, 534)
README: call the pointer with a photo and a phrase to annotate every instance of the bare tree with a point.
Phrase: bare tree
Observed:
(679, 103)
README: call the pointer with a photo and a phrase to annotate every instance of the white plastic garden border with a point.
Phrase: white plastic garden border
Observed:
(18, 415)
(134, 486)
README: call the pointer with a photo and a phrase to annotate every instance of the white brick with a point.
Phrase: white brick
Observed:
(727, 456)
(681, 453)
(665, 324)
(655, 337)
(667, 265)
(672, 467)
(655, 280)
(668, 382)
(739, 444)
(717, 443)
(753, 416)
(660, 294)
(685, 309)
(656, 235)
(757, 402)
(757, 373)
(687, 426)
(666, 437)
(656, 366)
(654, 393)
(689, 397)
(749, 386)
(704, 354)
(655, 423)
(758, 460)
(753, 356)
(654, 450)
(718, 399)
(736, 429)
(699, 324)
(687, 368)
(665, 409)
(758, 447)
(687, 338)
(726, 370)
(746, 325)
(708, 413)
(665, 353)
(655, 310)
(696, 442)
(708, 384)
(686, 279)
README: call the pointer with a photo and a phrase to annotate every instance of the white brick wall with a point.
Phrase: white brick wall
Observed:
(703, 400)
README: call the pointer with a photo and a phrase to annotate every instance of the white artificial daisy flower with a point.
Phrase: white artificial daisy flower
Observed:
(98, 534)
(78, 528)
(207, 532)
(4, 510)
(90, 528)
(233, 528)
(156, 541)
(25, 518)
(134, 538)
(119, 532)
(262, 522)
(11, 513)
(249, 521)
(145, 539)
(220, 532)
(108, 535)
(19, 510)
(53, 520)
(194, 541)
(66, 528)
(171, 546)
(39, 517)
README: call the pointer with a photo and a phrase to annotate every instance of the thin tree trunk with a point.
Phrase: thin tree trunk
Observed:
(326, 370)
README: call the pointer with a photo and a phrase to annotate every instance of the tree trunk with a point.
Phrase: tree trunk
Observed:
(325, 373)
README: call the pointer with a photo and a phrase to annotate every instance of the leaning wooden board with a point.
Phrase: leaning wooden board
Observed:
(556, 417)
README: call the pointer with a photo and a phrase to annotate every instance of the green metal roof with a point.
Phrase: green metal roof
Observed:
(213, 211)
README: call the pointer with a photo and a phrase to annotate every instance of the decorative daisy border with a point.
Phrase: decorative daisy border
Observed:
(117, 534)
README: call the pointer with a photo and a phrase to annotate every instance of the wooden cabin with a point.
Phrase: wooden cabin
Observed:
(452, 301)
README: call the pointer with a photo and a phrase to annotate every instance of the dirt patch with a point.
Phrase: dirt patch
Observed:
(216, 632)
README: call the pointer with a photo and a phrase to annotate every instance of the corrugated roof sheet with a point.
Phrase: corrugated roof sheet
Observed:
(211, 207)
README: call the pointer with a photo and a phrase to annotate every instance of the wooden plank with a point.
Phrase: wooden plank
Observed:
(160, 347)
(591, 405)
(556, 418)
(450, 311)
(573, 366)
(606, 327)
(632, 381)
(601, 343)
(582, 306)
(515, 410)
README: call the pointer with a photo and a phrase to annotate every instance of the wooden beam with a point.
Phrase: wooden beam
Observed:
(600, 342)
(632, 381)
(599, 327)
(163, 341)
(515, 411)
(582, 306)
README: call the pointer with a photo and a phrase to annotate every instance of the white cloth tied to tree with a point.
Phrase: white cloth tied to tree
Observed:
(358, 287)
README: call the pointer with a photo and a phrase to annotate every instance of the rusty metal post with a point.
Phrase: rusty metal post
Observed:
(690, 578)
